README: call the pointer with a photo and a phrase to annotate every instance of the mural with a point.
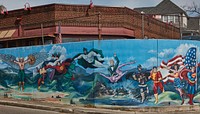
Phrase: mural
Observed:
(108, 72)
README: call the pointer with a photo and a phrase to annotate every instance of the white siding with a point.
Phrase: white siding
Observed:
(184, 21)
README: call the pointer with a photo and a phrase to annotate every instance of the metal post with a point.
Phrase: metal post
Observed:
(180, 30)
(42, 34)
(59, 40)
(199, 26)
(19, 30)
(142, 13)
(172, 32)
(99, 26)
(196, 85)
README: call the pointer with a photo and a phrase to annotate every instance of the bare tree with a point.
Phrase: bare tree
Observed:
(192, 9)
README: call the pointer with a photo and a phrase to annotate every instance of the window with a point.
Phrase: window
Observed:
(176, 19)
(165, 19)
(171, 19)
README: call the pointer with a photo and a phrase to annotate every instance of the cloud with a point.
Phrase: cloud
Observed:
(131, 59)
(59, 49)
(183, 48)
(152, 51)
(150, 62)
(166, 53)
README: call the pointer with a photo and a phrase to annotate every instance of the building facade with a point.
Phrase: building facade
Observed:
(168, 12)
(46, 24)
(193, 28)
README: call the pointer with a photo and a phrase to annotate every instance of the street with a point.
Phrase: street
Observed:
(4, 109)
(19, 110)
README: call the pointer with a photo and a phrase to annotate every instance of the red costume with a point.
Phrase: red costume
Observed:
(156, 77)
(42, 72)
(60, 68)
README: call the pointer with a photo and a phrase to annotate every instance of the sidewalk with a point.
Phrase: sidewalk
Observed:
(73, 109)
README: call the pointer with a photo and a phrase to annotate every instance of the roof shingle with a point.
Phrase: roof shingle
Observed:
(164, 7)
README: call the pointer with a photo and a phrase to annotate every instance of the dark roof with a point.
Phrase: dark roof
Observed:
(164, 7)
(193, 23)
(144, 9)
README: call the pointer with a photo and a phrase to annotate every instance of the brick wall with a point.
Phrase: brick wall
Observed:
(75, 15)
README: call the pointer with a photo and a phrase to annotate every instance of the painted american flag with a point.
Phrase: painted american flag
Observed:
(179, 59)
(190, 58)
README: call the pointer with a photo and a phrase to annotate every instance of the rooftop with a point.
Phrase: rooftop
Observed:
(164, 7)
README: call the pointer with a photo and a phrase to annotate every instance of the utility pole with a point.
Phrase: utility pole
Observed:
(42, 34)
(99, 26)
(180, 27)
(199, 26)
(142, 13)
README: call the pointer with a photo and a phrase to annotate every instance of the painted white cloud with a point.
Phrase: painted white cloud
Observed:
(59, 49)
(166, 53)
(131, 59)
(183, 48)
(150, 62)
(152, 51)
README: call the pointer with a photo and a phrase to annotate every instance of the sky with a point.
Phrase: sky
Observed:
(18, 4)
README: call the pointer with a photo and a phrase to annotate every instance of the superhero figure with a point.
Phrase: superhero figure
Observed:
(142, 78)
(90, 59)
(176, 79)
(42, 70)
(113, 66)
(156, 76)
(191, 84)
(42, 73)
(60, 68)
(22, 64)
(21, 72)
(115, 70)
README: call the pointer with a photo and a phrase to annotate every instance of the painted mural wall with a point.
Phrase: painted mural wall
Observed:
(108, 72)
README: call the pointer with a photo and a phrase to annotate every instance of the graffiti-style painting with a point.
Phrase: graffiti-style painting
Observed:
(108, 72)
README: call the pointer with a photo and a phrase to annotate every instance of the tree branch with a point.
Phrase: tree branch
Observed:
(193, 8)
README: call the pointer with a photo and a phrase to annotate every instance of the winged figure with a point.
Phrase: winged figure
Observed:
(115, 77)
(23, 63)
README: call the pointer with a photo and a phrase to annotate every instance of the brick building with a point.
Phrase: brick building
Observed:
(44, 24)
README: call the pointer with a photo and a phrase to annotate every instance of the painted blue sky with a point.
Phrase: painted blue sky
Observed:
(17, 4)
(129, 50)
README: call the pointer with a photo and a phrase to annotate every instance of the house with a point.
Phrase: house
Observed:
(168, 12)
(193, 27)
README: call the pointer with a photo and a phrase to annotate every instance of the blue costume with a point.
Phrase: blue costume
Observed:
(177, 83)
(191, 86)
